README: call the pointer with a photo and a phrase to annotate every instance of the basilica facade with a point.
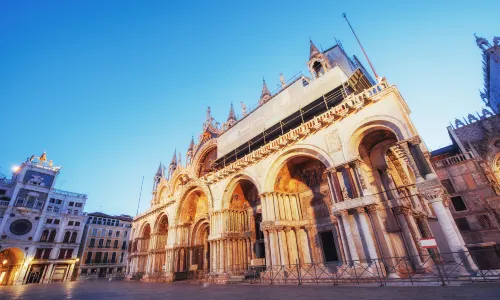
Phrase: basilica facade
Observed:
(328, 169)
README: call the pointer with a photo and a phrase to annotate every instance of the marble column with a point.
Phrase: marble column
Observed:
(292, 246)
(304, 249)
(449, 227)
(288, 207)
(267, 246)
(367, 233)
(275, 251)
(229, 254)
(411, 161)
(407, 233)
(283, 247)
(222, 255)
(344, 218)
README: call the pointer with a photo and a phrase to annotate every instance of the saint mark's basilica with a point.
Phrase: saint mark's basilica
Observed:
(328, 169)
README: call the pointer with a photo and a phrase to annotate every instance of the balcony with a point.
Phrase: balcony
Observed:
(449, 161)
(67, 193)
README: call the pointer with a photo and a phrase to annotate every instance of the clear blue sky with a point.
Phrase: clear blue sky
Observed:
(110, 88)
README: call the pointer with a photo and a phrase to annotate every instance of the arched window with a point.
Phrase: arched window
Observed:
(73, 237)
(45, 235)
(318, 68)
(52, 236)
(66, 237)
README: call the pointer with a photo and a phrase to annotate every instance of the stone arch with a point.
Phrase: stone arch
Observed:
(295, 151)
(186, 198)
(11, 260)
(381, 122)
(186, 189)
(201, 156)
(179, 179)
(164, 191)
(231, 185)
(145, 230)
(160, 221)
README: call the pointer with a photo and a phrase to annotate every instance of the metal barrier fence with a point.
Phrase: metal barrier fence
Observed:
(435, 269)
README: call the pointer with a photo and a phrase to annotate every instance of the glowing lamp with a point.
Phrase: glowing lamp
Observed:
(4, 261)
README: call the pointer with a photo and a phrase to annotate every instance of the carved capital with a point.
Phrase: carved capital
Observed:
(433, 195)
(360, 210)
(402, 210)
(341, 213)
(372, 207)
(415, 140)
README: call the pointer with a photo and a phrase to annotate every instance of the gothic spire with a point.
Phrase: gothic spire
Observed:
(174, 159)
(265, 90)
(313, 51)
(232, 115)
(191, 145)
(161, 171)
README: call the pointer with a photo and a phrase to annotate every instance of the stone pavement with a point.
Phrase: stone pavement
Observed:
(100, 289)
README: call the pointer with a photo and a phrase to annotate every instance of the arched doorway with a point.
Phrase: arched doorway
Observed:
(160, 241)
(302, 194)
(192, 214)
(243, 215)
(200, 249)
(11, 260)
(143, 248)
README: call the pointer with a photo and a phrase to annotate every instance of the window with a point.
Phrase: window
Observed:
(458, 203)
(70, 211)
(75, 212)
(70, 223)
(101, 243)
(318, 68)
(67, 236)
(113, 257)
(57, 221)
(117, 234)
(125, 234)
(108, 222)
(20, 201)
(124, 245)
(92, 242)
(448, 186)
(462, 224)
(57, 209)
(89, 258)
(77, 223)
(49, 221)
(110, 232)
(485, 222)
(52, 236)
(42, 253)
(3, 192)
(98, 256)
(49, 208)
(115, 244)
(103, 232)
(121, 257)
(94, 231)
(39, 204)
(45, 236)
(69, 253)
(58, 201)
(78, 204)
(105, 259)
(73, 237)
(52, 200)
(108, 243)
(62, 254)
(71, 203)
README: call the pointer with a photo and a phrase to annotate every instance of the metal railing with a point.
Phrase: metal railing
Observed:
(68, 193)
(438, 269)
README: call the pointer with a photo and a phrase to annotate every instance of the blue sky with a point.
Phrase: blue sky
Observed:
(110, 88)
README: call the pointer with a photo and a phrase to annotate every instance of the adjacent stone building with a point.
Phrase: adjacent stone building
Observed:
(469, 168)
(104, 247)
(326, 169)
(40, 226)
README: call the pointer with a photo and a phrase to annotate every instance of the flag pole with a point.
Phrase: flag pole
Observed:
(140, 193)
(362, 49)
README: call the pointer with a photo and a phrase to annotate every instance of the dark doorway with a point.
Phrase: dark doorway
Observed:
(329, 249)
(260, 250)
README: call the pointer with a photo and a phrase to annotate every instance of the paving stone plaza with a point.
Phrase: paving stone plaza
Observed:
(100, 289)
